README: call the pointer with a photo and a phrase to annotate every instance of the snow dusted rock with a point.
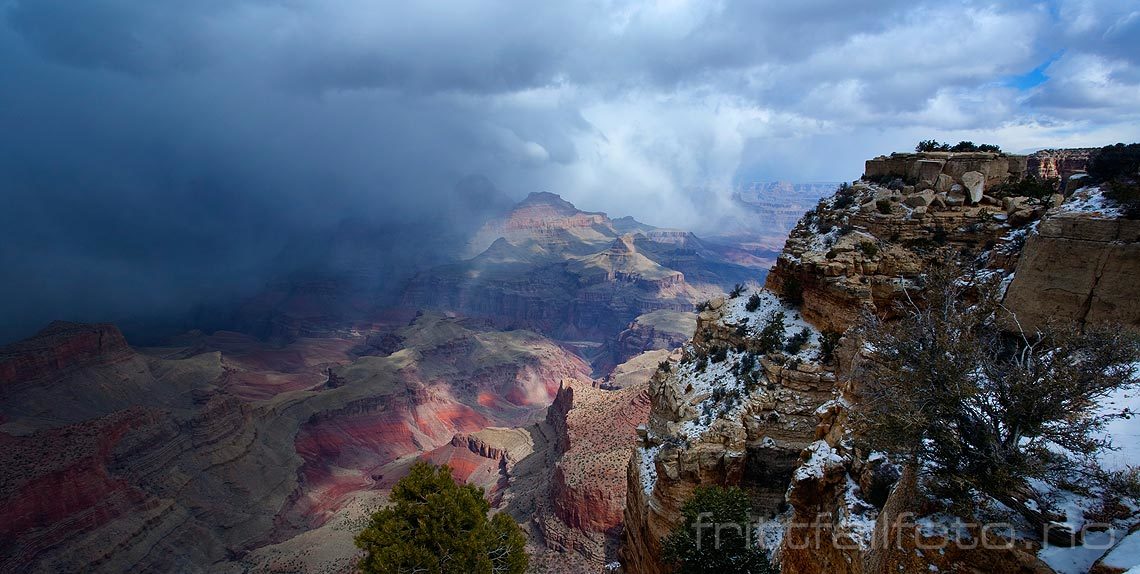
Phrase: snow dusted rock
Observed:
(787, 441)
(1097, 286)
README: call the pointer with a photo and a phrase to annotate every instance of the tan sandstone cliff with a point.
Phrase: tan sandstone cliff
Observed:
(782, 437)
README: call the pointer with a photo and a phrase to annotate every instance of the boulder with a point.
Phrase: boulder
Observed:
(920, 199)
(1025, 215)
(939, 202)
(955, 200)
(1012, 204)
(944, 182)
(975, 183)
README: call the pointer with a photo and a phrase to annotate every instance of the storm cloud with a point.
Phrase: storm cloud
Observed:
(162, 154)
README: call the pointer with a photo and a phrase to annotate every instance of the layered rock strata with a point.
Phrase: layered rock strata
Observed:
(733, 411)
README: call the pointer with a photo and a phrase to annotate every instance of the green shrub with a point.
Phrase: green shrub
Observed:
(1115, 167)
(884, 206)
(1125, 194)
(951, 394)
(737, 291)
(1031, 186)
(772, 335)
(753, 303)
(828, 341)
(797, 341)
(1114, 161)
(844, 196)
(435, 526)
(931, 145)
(714, 536)
(962, 146)
(868, 248)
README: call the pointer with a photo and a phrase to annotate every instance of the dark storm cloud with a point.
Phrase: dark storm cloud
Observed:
(134, 37)
(158, 154)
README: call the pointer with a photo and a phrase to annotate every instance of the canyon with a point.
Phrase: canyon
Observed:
(557, 362)
(264, 449)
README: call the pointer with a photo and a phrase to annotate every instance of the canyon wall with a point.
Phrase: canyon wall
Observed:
(732, 412)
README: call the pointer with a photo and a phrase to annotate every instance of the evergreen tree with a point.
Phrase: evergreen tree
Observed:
(435, 526)
(714, 538)
(978, 409)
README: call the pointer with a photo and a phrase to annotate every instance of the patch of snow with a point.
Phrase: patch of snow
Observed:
(1090, 200)
(822, 457)
(648, 468)
(1003, 287)
(943, 525)
(736, 313)
(857, 516)
(701, 392)
(1124, 432)
(770, 533)
(1078, 559)
(1125, 555)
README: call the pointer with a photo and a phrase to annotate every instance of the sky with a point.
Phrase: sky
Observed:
(154, 153)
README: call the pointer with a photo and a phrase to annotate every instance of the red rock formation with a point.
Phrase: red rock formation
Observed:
(1059, 164)
(229, 454)
(59, 347)
(55, 485)
(595, 431)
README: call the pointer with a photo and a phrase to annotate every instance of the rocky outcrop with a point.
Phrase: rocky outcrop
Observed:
(925, 170)
(859, 253)
(1079, 265)
(595, 431)
(58, 348)
(1059, 164)
(742, 420)
(501, 444)
(663, 329)
(733, 410)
